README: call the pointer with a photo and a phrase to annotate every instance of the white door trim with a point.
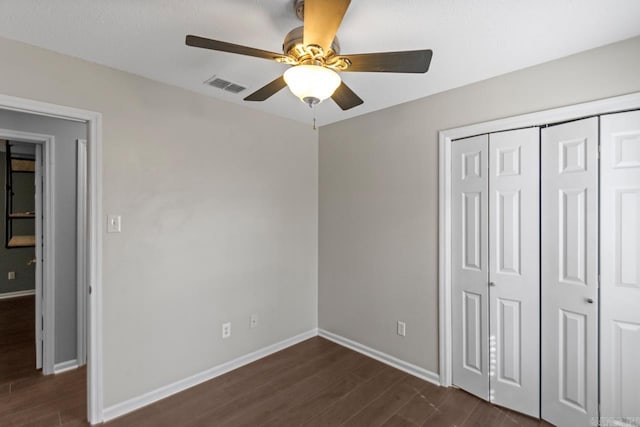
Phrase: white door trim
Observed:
(540, 118)
(81, 251)
(45, 286)
(94, 238)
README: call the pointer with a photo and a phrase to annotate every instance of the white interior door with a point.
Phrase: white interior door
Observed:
(38, 254)
(469, 264)
(570, 273)
(620, 264)
(514, 273)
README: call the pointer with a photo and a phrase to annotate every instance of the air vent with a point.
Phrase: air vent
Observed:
(223, 84)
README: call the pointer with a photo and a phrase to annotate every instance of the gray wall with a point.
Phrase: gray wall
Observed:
(378, 221)
(219, 208)
(16, 259)
(66, 133)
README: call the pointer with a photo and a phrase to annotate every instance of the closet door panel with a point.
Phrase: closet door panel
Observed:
(569, 301)
(469, 262)
(514, 295)
(620, 263)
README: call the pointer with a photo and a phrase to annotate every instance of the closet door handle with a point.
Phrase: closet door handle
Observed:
(589, 300)
(492, 284)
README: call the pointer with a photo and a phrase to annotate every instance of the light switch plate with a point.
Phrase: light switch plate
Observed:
(114, 223)
(402, 328)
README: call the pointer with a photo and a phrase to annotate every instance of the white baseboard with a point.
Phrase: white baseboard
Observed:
(17, 294)
(59, 368)
(392, 361)
(130, 405)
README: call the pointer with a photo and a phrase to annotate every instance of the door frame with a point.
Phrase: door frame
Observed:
(81, 251)
(94, 236)
(45, 281)
(445, 137)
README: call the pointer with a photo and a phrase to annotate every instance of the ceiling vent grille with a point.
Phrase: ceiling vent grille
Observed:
(223, 84)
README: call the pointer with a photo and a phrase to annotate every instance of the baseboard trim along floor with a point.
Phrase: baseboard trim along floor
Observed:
(59, 368)
(138, 402)
(17, 294)
(385, 358)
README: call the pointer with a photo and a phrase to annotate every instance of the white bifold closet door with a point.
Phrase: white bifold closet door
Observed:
(495, 238)
(570, 273)
(469, 264)
(620, 266)
(514, 272)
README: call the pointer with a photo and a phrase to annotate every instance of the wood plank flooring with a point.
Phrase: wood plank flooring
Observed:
(319, 383)
(27, 398)
(314, 383)
(17, 339)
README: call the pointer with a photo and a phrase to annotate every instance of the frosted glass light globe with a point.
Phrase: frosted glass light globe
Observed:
(312, 83)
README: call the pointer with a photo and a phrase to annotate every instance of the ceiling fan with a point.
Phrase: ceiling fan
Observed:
(313, 52)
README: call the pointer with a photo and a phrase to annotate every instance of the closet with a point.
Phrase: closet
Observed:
(545, 269)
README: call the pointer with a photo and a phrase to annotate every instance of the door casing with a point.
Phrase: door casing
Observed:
(95, 399)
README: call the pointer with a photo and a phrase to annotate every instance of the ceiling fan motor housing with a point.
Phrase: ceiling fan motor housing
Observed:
(293, 45)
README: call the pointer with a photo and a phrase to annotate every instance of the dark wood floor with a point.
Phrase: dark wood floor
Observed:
(314, 383)
(27, 398)
(319, 383)
(17, 339)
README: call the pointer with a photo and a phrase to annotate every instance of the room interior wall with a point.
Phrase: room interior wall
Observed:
(66, 132)
(219, 219)
(378, 197)
(16, 259)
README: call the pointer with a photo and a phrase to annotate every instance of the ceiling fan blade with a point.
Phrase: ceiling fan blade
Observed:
(345, 97)
(321, 21)
(411, 61)
(266, 91)
(205, 43)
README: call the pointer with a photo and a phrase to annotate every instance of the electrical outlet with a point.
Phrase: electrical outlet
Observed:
(402, 328)
(253, 321)
(226, 330)
(11, 275)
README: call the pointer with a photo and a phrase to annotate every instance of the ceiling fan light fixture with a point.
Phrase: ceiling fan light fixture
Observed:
(312, 83)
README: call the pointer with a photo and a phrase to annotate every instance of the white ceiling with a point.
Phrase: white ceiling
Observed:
(472, 40)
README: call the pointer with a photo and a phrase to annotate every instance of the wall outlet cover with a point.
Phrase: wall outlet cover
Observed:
(226, 330)
(11, 275)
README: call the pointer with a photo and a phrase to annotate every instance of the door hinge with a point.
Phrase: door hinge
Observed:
(90, 289)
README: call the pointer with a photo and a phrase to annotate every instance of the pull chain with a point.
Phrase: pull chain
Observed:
(313, 107)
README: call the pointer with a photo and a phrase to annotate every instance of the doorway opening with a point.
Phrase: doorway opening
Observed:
(56, 227)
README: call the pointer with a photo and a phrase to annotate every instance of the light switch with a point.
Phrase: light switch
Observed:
(114, 223)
